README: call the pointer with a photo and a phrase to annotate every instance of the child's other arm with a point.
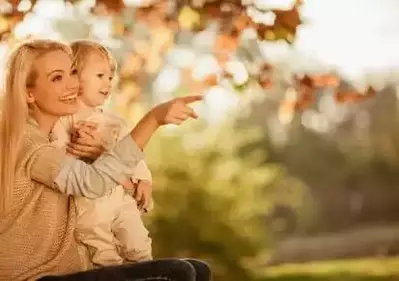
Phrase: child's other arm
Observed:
(60, 134)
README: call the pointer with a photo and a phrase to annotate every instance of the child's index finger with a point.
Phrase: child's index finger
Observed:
(191, 99)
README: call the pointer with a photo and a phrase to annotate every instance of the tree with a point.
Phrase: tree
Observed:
(209, 202)
(151, 29)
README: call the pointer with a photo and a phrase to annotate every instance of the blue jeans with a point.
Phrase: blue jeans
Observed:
(156, 270)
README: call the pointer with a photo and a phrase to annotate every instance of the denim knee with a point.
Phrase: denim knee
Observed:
(202, 269)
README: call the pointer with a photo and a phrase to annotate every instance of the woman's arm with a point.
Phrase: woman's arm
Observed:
(50, 166)
(74, 177)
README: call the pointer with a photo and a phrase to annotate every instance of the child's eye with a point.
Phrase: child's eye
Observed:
(56, 78)
(111, 78)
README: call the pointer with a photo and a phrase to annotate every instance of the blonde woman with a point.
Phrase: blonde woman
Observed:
(37, 215)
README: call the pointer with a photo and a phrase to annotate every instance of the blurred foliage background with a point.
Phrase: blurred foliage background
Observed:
(291, 171)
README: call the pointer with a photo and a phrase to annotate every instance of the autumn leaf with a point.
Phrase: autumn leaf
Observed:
(211, 80)
(212, 10)
(195, 86)
(286, 112)
(112, 5)
(266, 83)
(274, 32)
(4, 24)
(242, 22)
(132, 65)
(290, 19)
(118, 27)
(325, 80)
(222, 59)
(306, 81)
(305, 97)
(227, 43)
(354, 96)
(189, 18)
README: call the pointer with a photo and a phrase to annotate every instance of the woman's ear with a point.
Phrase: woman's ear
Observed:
(30, 97)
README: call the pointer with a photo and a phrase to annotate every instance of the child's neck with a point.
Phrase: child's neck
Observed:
(84, 106)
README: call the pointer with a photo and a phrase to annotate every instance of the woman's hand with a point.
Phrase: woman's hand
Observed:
(86, 142)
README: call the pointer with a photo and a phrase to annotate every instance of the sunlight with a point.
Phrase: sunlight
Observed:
(364, 38)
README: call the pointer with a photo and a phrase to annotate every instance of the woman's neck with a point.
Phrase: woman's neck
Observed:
(44, 121)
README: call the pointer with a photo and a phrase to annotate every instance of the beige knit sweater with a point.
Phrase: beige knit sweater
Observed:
(37, 236)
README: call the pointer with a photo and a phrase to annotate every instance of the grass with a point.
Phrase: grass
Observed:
(332, 277)
(370, 269)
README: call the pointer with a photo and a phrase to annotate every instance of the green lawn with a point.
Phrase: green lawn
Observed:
(371, 269)
(332, 277)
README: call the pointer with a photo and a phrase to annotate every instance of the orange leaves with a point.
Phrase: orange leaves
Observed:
(307, 86)
(305, 97)
(309, 83)
(325, 80)
(284, 28)
(242, 22)
(319, 80)
(11, 17)
(301, 97)
(211, 80)
(354, 96)
(226, 43)
(189, 18)
(289, 20)
(222, 9)
(196, 15)
(266, 83)
(265, 77)
(113, 6)
(224, 47)
(154, 15)
(132, 65)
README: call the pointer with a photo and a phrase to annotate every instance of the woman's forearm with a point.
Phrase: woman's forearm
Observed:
(144, 130)
(95, 180)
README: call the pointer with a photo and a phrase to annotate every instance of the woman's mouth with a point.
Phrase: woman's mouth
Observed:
(69, 99)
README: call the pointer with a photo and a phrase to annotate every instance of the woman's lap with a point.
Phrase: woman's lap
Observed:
(202, 270)
(156, 270)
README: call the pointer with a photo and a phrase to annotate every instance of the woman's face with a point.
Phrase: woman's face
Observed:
(56, 85)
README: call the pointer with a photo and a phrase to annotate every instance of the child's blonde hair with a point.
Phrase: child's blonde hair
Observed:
(81, 49)
(19, 75)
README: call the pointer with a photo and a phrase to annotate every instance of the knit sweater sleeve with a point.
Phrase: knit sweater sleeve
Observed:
(142, 172)
(50, 166)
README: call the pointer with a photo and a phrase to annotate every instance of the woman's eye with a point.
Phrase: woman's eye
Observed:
(100, 75)
(56, 78)
(74, 72)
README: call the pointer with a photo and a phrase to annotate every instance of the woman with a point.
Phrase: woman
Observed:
(37, 218)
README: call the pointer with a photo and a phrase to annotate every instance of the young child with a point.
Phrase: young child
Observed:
(110, 227)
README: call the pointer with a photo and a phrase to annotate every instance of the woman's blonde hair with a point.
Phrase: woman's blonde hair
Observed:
(81, 49)
(19, 75)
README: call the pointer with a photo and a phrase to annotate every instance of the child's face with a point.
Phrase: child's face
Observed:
(95, 81)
